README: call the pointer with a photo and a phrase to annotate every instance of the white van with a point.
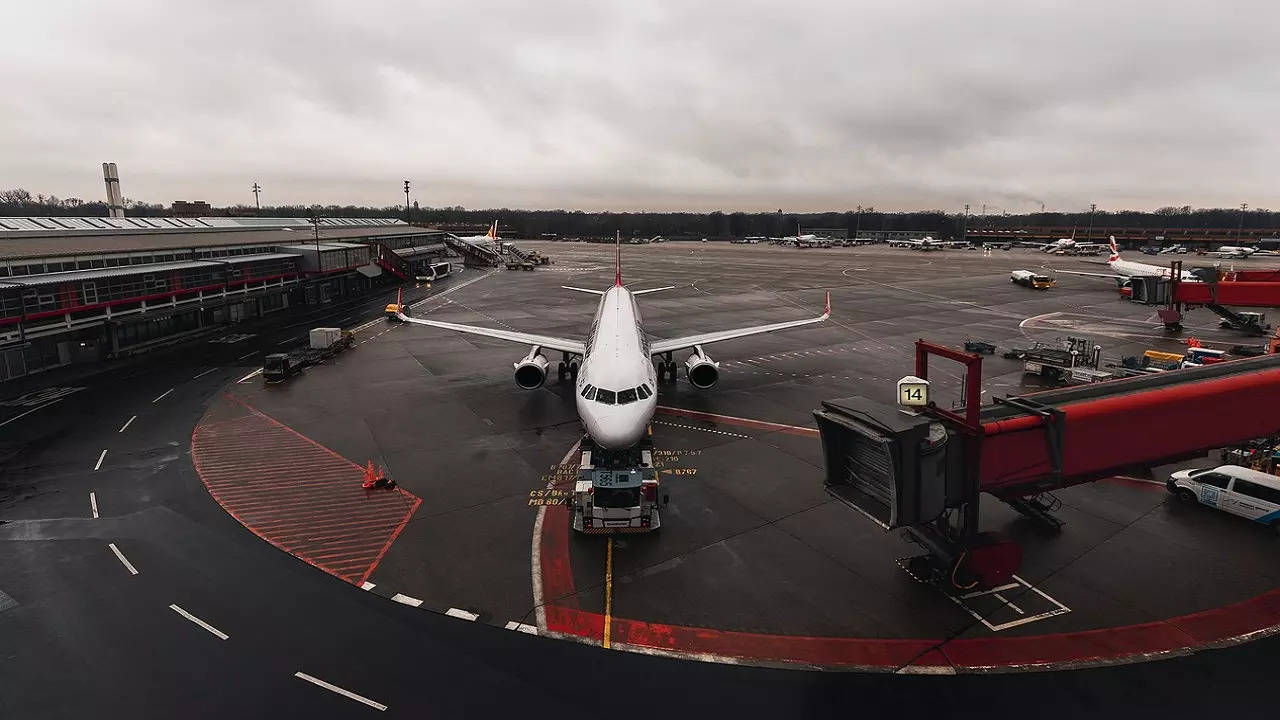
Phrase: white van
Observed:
(1238, 490)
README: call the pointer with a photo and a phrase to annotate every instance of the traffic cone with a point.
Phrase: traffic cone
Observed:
(370, 478)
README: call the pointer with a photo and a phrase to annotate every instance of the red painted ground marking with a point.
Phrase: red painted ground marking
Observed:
(1195, 631)
(295, 493)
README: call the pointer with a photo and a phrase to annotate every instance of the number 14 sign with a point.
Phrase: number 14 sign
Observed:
(913, 391)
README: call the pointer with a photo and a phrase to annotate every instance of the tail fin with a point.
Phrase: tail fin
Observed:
(400, 300)
(493, 231)
(1115, 251)
(617, 259)
(827, 312)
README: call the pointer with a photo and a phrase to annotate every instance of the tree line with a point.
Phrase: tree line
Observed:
(519, 223)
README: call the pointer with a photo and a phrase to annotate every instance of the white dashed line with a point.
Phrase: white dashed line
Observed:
(461, 614)
(250, 376)
(692, 427)
(161, 395)
(368, 586)
(247, 355)
(100, 459)
(213, 630)
(406, 600)
(93, 504)
(123, 560)
(206, 372)
(127, 423)
(521, 627)
(345, 693)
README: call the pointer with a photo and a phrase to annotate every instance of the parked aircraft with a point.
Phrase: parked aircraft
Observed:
(1124, 269)
(616, 369)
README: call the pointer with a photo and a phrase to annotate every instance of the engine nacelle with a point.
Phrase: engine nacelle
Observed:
(702, 371)
(531, 372)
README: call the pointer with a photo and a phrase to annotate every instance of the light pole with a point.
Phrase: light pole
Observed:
(1240, 227)
(964, 228)
(256, 189)
(1089, 235)
(857, 222)
(406, 203)
(315, 226)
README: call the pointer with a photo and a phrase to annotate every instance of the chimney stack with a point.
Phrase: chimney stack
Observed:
(112, 177)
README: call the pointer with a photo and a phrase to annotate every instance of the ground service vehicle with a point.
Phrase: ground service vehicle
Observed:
(616, 490)
(1026, 278)
(1251, 494)
(324, 343)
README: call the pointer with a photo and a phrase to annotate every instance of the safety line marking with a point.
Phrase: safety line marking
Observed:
(247, 355)
(93, 504)
(206, 372)
(406, 600)
(461, 614)
(368, 586)
(161, 395)
(127, 423)
(38, 407)
(215, 631)
(100, 459)
(345, 693)
(521, 627)
(250, 375)
(123, 560)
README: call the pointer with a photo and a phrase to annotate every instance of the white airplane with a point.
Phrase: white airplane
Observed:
(1124, 269)
(489, 238)
(1234, 251)
(614, 369)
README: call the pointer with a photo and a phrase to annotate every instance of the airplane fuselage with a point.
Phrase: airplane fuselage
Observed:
(1128, 268)
(616, 390)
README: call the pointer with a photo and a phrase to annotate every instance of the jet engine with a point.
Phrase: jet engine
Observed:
(531, 372)
(702, 371)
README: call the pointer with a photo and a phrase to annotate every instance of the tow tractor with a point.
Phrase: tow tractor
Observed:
(617, 490)
(324, 344)
(1075, 361)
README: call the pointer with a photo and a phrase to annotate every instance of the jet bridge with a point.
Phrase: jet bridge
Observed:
(925, 472)
(1219, 292)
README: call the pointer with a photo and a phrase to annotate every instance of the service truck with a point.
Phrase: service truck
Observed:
(323, 343)
(1035, 281)
(617, 490)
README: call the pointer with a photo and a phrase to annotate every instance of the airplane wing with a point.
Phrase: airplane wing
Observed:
(688, 341)
(546, 341)
(652, 290)
(1109, 276)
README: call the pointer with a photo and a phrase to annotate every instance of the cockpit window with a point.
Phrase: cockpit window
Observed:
(626, 396)
(605, 396)
(589, 392)
(644, 392)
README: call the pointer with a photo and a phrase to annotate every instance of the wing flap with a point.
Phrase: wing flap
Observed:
(688, 341)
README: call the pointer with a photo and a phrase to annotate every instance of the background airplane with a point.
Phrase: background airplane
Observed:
(1234, 251)
(1124, 269)
(617, 367)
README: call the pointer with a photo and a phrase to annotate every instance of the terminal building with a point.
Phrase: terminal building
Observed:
(88, 289)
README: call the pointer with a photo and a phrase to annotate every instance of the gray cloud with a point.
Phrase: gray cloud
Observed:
(657, 105)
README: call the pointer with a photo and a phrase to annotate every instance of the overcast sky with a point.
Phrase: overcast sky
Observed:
(645, 104)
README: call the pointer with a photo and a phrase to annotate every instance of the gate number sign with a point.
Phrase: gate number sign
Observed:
(913, 392)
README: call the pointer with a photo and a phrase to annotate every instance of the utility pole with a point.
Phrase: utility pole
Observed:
(964, 229)
(315, 225)
(256, 189)
(1240, 227)
(406, 202)
(857, 223)
(1089, 235)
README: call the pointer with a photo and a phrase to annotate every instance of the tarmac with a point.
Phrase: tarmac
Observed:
(755, 563)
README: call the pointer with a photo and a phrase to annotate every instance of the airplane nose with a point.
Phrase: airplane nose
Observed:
(617, 437)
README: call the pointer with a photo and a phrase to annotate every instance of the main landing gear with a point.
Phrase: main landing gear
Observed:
(666, 368)
(568, 367)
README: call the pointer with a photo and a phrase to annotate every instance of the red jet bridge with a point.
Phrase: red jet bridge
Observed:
(1219, 292)
(926, 472)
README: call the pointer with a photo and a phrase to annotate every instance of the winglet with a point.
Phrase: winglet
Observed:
(617, 260)
(827, 312)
